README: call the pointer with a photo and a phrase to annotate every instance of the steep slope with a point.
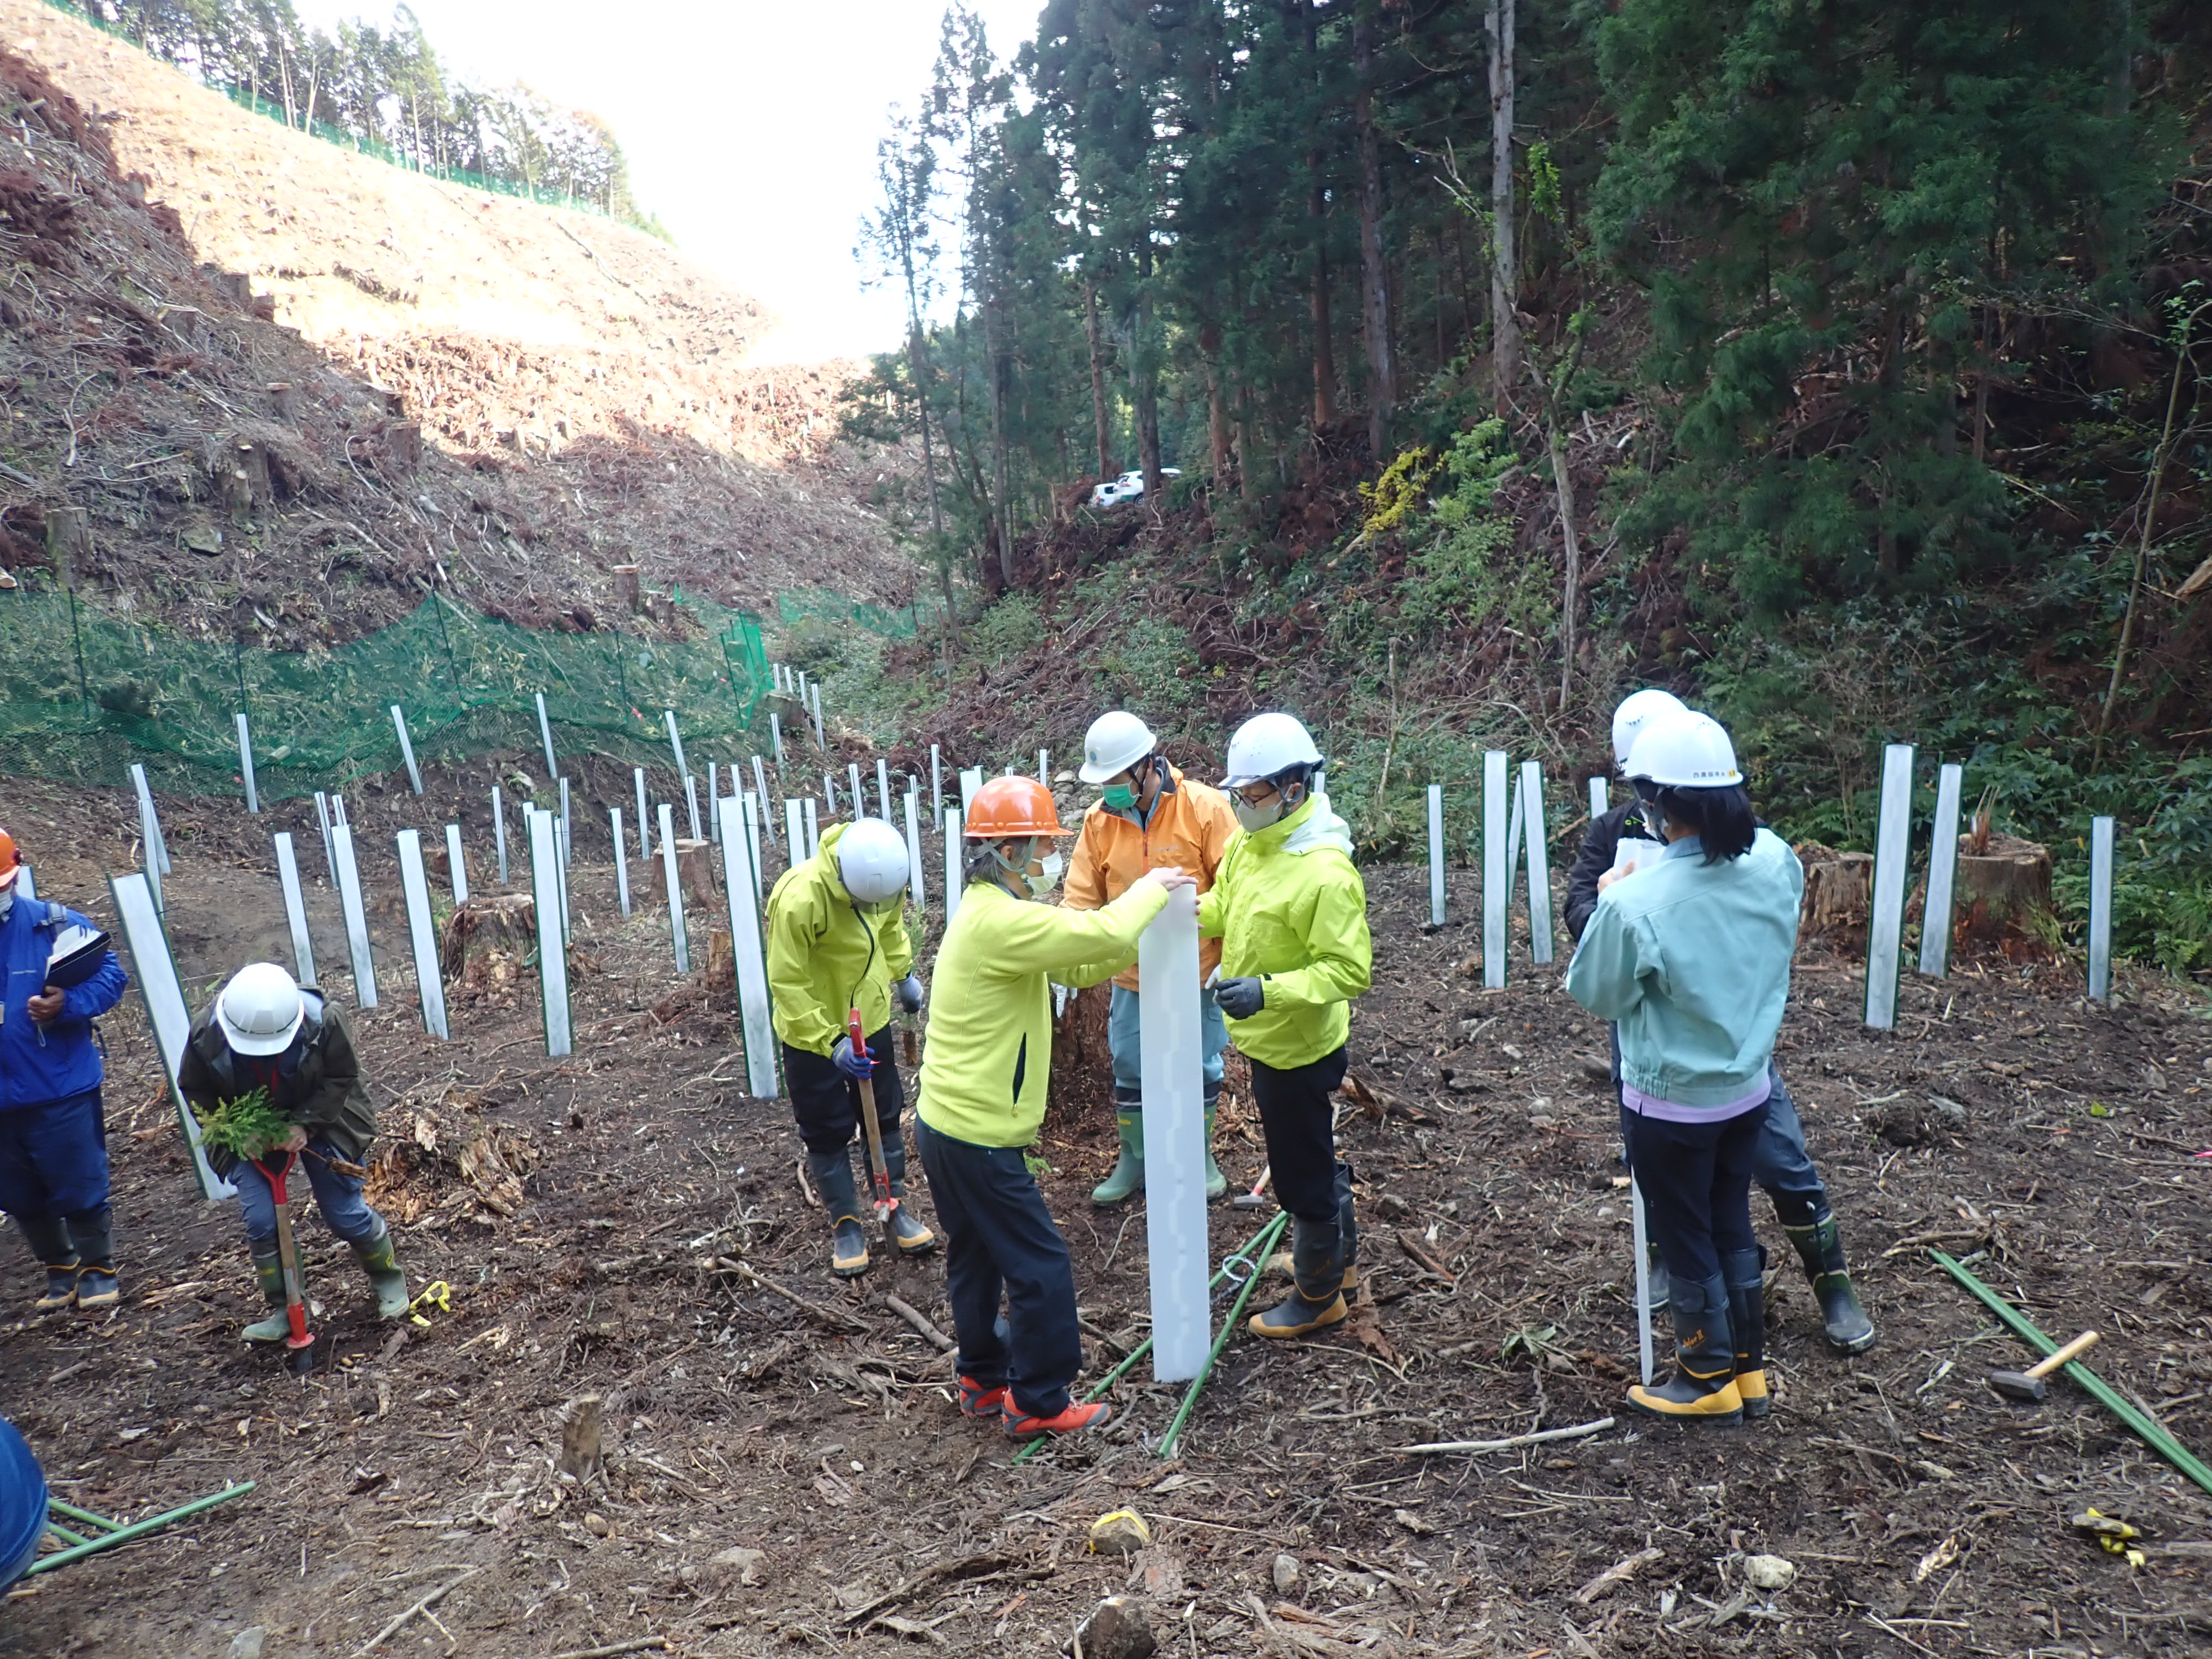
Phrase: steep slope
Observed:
(577, 387)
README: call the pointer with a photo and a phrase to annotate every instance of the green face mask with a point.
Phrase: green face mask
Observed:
(1120, 797)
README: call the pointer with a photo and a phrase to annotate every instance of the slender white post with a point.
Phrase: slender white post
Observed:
(884, 787)
(621, 859)
(914, 891)
(828, 796)
(322, 824)
(691, 801)
(155, 973)
(356, 917)
(776, 732)
(860, 800)
(561, 867)
(245, 767)
(159, 847)
(794, 832)
(936, 788)
(457, 864)
(499, 830)
(565, 843)
(675, 889)
(406, 748)
(1175, 1140)
(953, 865)
(713, 796)
(1515, 815)
(739, 881)
(1942, 875)
(1893, 850)
(760, 786)
(813, 828)
(552, 951)
(545, 733)
(1540, 863)
(2100, 909)
(1497, 874)
(753, 816)
(644, 814)
(1044, 771)
(1639, 1237)
(676, 745)
(1436, 855)
(414, 885)
(296, 908)
(820, 740)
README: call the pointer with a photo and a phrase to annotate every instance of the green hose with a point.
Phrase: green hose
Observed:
(1228, 1329)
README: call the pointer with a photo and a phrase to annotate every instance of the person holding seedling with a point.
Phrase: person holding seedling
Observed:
(271, 1071)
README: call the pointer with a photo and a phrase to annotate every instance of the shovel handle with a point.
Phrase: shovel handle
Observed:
(2080, 1345)
(879, 1175)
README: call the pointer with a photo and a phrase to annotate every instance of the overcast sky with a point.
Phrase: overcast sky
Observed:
(750, 125)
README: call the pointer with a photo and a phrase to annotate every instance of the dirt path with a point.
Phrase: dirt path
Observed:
(1923, 1514)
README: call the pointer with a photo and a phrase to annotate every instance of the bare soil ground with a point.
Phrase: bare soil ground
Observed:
(1923, 1515)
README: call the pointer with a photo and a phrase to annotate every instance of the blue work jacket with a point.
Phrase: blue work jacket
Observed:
(41, 1063)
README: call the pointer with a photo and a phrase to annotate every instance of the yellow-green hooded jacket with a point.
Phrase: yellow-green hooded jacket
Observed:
(824, 956)
(1289, 908)
(989, 1060)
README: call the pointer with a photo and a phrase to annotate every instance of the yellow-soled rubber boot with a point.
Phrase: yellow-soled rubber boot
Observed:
(1317, 1297)
(1744, 1273)
(1703, 1388)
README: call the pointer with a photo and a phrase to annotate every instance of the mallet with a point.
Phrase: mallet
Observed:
(1252, 1200)
(2028, 1385)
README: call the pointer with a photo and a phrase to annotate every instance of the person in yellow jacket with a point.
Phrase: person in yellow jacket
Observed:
(837, 941)
(983, 1085)
(1149, 814)
(1291, 912)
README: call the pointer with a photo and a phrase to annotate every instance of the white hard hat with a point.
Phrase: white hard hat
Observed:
(1114, 743)
(1267, 744)
(260, 1011)
(1637, 711)
(1690, 752)
(872, 861)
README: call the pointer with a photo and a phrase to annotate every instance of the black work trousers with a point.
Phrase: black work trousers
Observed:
(1696, 1181)
(1311, 1180)
(827, 1102)
(1000, 1239)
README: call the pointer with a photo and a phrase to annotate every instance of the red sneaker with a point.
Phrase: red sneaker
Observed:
(976, 1401)
(1021, 1425)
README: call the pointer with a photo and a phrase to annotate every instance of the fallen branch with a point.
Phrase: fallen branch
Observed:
(642, 1645)
(422, 1605)
(1619, 1573)
(921, 1321)
(829, 1315)
(1537, 1438)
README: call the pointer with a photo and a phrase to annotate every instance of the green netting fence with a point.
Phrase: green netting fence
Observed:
(84, 693)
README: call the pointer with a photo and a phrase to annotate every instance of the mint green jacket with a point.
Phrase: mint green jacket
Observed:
(1693, 962)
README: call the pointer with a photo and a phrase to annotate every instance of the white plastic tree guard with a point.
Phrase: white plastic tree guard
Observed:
(936, 788)
(1540, 863)
(1436, 855)
(322, 824)
(883, 787)
(676, 932)
(828, 796)
(971, 780)
(565, 843)
(1601, 799)
(1893, 854)
(356, 917)
(713, 799)
(150, 840)
(406, 748)
(740, 883)
(338, 812)
(621, 859)
(1639, 1233)
(1175, 1140)
(952, 863)
(1044, 767)
(676, 745)
(813, 827)
(457, 864)
(692, 803)
(245, 767)
(499, 830)
(759, 788)
(1942, 875)
(296, 908)
(422, 933)
(158, 845)
(753, 816)
(1497, 874)
(794, 832)
(915, 891)
(2100, 909)
(820, 741)
(776, 732)
(860, 800)
(552, 954)
(644, 814)
(153, 971)
(545, 734)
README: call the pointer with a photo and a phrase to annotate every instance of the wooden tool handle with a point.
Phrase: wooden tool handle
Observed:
(2073, 1350)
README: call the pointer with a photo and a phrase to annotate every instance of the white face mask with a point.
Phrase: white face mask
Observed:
(1041, 886)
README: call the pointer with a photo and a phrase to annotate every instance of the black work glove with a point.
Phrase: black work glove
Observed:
(1240, 999)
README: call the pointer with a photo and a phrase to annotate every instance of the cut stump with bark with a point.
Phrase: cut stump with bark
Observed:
(2001, 890)
(1838, 893)
(487, 941)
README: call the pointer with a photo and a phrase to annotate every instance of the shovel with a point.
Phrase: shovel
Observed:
(288, 1254)
(879, 1175)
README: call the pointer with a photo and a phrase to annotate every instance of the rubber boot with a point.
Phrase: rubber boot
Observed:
(909, 1231)
(1216, 1184)
(1821, 1248)
(1655, 1271)
(1703, 1388)
(48, 1236)
(385, 1277)
(1744, 1273)
(1128, 1177)
(849, 1239)
(1347, 1230)
(94, 1230)
(1317, 1297)
(269, 1269)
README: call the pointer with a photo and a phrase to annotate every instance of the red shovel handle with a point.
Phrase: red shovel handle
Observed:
(855, 1031)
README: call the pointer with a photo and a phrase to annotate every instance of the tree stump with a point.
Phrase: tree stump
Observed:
(403, 446)
(1838, 896)
(695, 871)
(69, 537)
(1082, 1062)
(487, 940)
(2001, 890)
(628, 594)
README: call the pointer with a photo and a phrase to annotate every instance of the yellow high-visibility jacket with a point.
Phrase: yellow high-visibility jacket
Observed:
(825, 955)
(989, 1060)
(1289, 908)
(1190, 827)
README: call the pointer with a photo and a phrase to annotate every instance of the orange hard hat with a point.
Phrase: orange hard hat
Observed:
(1010, 806)
(10, 863)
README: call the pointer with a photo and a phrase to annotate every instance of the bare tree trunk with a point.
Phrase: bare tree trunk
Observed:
(1504, 263)
(1564, 484)
(1324, 345)
(1217, 401)
(993, 354)
(1098, 415)
(1374, 275)
(1144, 380)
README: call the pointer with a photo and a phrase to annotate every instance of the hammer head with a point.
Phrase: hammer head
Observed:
(2018, 1385)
